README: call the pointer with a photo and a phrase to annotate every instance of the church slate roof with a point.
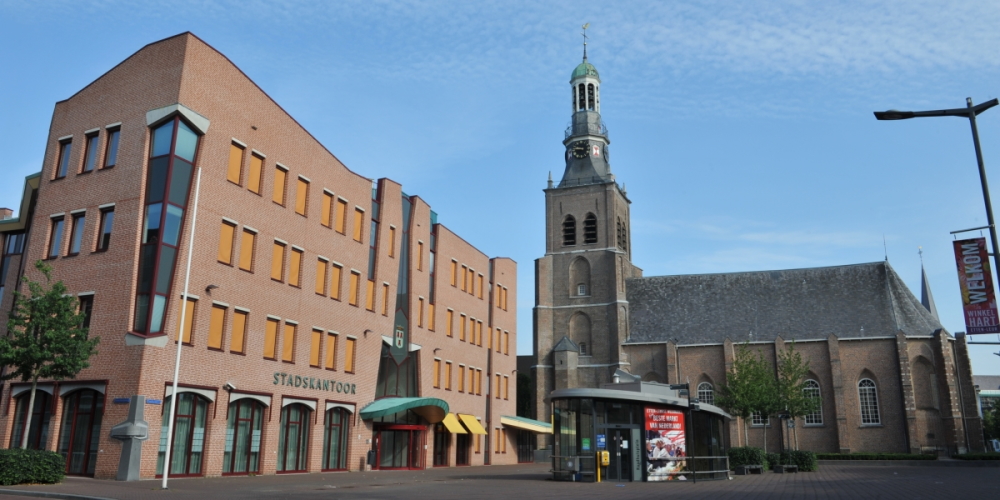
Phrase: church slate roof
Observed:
(565, 344)
(860, 300)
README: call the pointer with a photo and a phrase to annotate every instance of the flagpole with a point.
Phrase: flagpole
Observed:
(180, 334)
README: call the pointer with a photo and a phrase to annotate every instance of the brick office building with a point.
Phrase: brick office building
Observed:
(328, 315)
(889, 376)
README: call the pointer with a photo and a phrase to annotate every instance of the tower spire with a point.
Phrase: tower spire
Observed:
(585, 26)
(925, 288)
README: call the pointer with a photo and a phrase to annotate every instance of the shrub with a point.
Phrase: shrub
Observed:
(805, 460)
(874, 456)
(18, 466)
(979, 456)
(747, 455)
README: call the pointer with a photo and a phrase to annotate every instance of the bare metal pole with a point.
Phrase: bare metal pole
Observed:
(180, 335)
(986, 189)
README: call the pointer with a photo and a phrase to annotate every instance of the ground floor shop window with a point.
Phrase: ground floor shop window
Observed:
(41, 414)
(442, 441)
(400, 447)
(188, 435)
(293, 438)
(463, 446)
(335, 440)
(81, 431)
(243, 436)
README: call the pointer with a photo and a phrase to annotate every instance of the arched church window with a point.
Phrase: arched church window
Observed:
(706, 393)
(869, 402)
(590, 96)
(581, 103)
(569, 231)
(590, 229)
(811, 390)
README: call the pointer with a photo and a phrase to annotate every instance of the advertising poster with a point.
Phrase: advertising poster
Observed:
(666, 447)
(975, 279)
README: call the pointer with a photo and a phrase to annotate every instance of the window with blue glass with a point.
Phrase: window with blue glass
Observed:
(168, 184)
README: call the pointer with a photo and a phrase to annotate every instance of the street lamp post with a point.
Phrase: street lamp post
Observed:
(970, 112)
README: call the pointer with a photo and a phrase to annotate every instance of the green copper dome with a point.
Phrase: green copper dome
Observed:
(585, 69)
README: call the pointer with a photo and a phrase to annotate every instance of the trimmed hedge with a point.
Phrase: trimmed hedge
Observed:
(747, 455)
(805, 460)
(978, 456)
(874, 456)
(19, 466)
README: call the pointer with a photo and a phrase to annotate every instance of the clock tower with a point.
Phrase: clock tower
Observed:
(581, 309)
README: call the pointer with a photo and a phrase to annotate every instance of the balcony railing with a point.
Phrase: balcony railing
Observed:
(587, 129)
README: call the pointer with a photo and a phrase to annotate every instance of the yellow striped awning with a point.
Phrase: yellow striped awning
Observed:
(526, 424)
(472, 424)
(451, 423)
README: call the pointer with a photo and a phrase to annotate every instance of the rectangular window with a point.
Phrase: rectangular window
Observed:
(235, 172)
(472, 380)
(420, 312)
(341, 214)
(216, 326)
(104, 231)
(477, 441)
(327, 217)
(321, 266)
(76, 233)
(496, 432)
(359, 219)
(447, 375)
(471, 277)
(385, 299)
(506, 342)
(504, 298)
(461, 333)
(496, 388)
(86, 307)
(62, 165)
(506, 387)
(256, 173)
(496, 296)
(370, 296)
(454, 273)
(465, 276)
(301, 196)
(352, 297)
(288, 343)
(480, 286)
(295, 267)
(111, 150)
(498, 341)
(437, 374)
(449, 318)
(226, 236)
(335, 281)
(757, 419)
(238, 338)
(392, 243)
(349, 355)
(479, 382)
(489, 345)
(461, 378)
(315, 346)
(330, 357)
(503, 440)
(90, 154)
(247, 243)
(280, 178)
(188, 321)
(430, 317)
(479, 333)
(278, 262)
(55, 239)
(271, 338)
(420, 256)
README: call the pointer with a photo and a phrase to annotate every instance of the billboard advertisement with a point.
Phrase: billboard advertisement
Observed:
(979, 303)
(666, 446)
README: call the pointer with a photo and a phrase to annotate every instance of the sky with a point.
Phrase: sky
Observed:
(742, 131)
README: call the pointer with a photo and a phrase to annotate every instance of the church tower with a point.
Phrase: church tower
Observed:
(581, 311)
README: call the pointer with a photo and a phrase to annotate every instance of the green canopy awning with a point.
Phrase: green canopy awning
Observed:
(527, 424)
(432, 409)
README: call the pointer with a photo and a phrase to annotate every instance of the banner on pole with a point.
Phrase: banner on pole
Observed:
(975, 279)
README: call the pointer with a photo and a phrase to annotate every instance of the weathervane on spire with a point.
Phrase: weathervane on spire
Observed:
(585, 26)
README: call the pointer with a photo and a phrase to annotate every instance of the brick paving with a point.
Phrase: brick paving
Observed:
(532, 481)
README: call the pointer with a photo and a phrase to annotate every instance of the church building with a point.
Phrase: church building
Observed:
(889, 377)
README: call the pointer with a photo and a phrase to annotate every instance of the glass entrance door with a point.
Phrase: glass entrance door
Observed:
(188, 435)
(399, 447)
(81, 431)
(293, 438)
(442, 441)
(619, 444)
(243, 437)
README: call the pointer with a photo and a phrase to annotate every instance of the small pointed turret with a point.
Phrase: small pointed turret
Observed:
(926, 298)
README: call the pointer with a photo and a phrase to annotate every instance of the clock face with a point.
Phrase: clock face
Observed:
(579, 149)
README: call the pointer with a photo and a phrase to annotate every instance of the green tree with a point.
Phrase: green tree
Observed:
(45, 337)
(749, 388)
(791, 380)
